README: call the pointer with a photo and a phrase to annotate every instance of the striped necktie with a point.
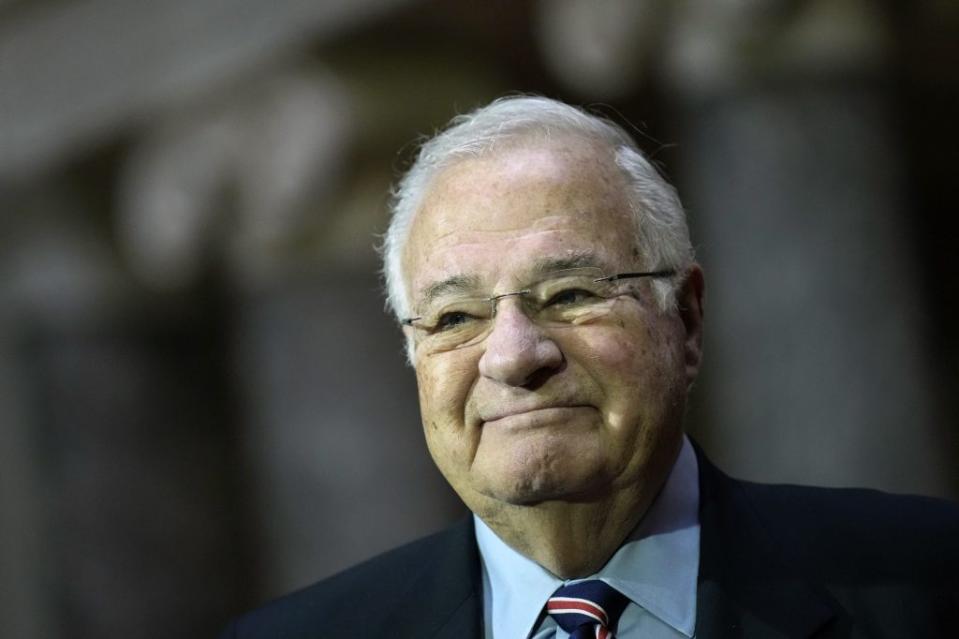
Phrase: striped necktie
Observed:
(587, 610)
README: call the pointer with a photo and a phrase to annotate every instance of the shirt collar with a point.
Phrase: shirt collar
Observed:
(656, 568)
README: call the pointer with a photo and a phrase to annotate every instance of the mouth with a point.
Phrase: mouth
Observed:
(534, 414)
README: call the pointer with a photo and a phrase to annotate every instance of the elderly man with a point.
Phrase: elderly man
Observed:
(553, 312)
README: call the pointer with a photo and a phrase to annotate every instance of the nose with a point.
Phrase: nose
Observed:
(518, 352)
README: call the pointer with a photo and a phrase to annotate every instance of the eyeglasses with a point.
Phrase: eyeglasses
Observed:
(561, 299)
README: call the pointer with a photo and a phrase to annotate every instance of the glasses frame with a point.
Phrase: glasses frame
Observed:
(408, 321)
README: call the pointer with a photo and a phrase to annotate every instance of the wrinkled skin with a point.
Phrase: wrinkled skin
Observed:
(562, 434)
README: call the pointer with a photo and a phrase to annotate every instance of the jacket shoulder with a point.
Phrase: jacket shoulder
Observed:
(841, 562)
(847, 535)
(357, 601)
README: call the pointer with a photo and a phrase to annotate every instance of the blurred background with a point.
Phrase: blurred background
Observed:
(202, 402)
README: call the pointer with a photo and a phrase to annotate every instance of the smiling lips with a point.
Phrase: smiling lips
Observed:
(535, 413)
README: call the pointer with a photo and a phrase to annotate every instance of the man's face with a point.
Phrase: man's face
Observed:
(531, 414)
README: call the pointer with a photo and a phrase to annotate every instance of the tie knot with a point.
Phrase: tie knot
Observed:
(594, 606)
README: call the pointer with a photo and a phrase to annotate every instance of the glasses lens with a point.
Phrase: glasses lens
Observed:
(454, 324)
(572, 297)
(563, 298)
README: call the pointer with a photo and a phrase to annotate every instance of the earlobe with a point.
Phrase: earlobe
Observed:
(690, 298)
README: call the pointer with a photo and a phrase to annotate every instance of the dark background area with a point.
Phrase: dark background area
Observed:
(203, 403)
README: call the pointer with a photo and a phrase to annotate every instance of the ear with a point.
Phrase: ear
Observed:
(690, 301)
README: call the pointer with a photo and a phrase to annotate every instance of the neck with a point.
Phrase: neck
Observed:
(570, 539)
(575, 538)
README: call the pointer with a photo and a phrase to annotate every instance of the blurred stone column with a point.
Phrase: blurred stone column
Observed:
(332, 427)
(818, 366)
(26, 605)
(261, 191)
(117, 507)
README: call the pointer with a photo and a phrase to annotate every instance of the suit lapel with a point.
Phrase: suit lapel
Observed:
(746, 589)
(445, 600)
(464, 622)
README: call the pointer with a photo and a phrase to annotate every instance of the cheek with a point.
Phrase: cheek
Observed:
(443, 391)
(636, 363)
(616, 357)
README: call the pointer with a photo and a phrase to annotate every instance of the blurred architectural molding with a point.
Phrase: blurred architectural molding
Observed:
(714, 45)
(598, 48)
(72, 73)
(604, 49)
(235, 183)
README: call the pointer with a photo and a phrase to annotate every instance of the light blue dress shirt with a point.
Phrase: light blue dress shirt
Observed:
(656, 569)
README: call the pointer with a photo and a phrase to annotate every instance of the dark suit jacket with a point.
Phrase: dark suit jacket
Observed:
(775, 561)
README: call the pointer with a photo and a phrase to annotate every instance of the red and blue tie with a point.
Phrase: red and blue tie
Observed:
(588, 609)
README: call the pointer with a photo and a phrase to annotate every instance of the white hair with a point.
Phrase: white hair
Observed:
(662, 236)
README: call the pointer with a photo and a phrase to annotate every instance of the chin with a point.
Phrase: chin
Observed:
(528, 487)
(540, 464)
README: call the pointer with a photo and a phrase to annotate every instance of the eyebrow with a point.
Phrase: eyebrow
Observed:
(453, 284)
(471, 283)
(579, 259)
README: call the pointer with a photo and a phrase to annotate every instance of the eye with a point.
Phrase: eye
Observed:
(452, 319)
(570, 297)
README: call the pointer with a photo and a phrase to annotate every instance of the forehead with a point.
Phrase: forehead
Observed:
(499, 217)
